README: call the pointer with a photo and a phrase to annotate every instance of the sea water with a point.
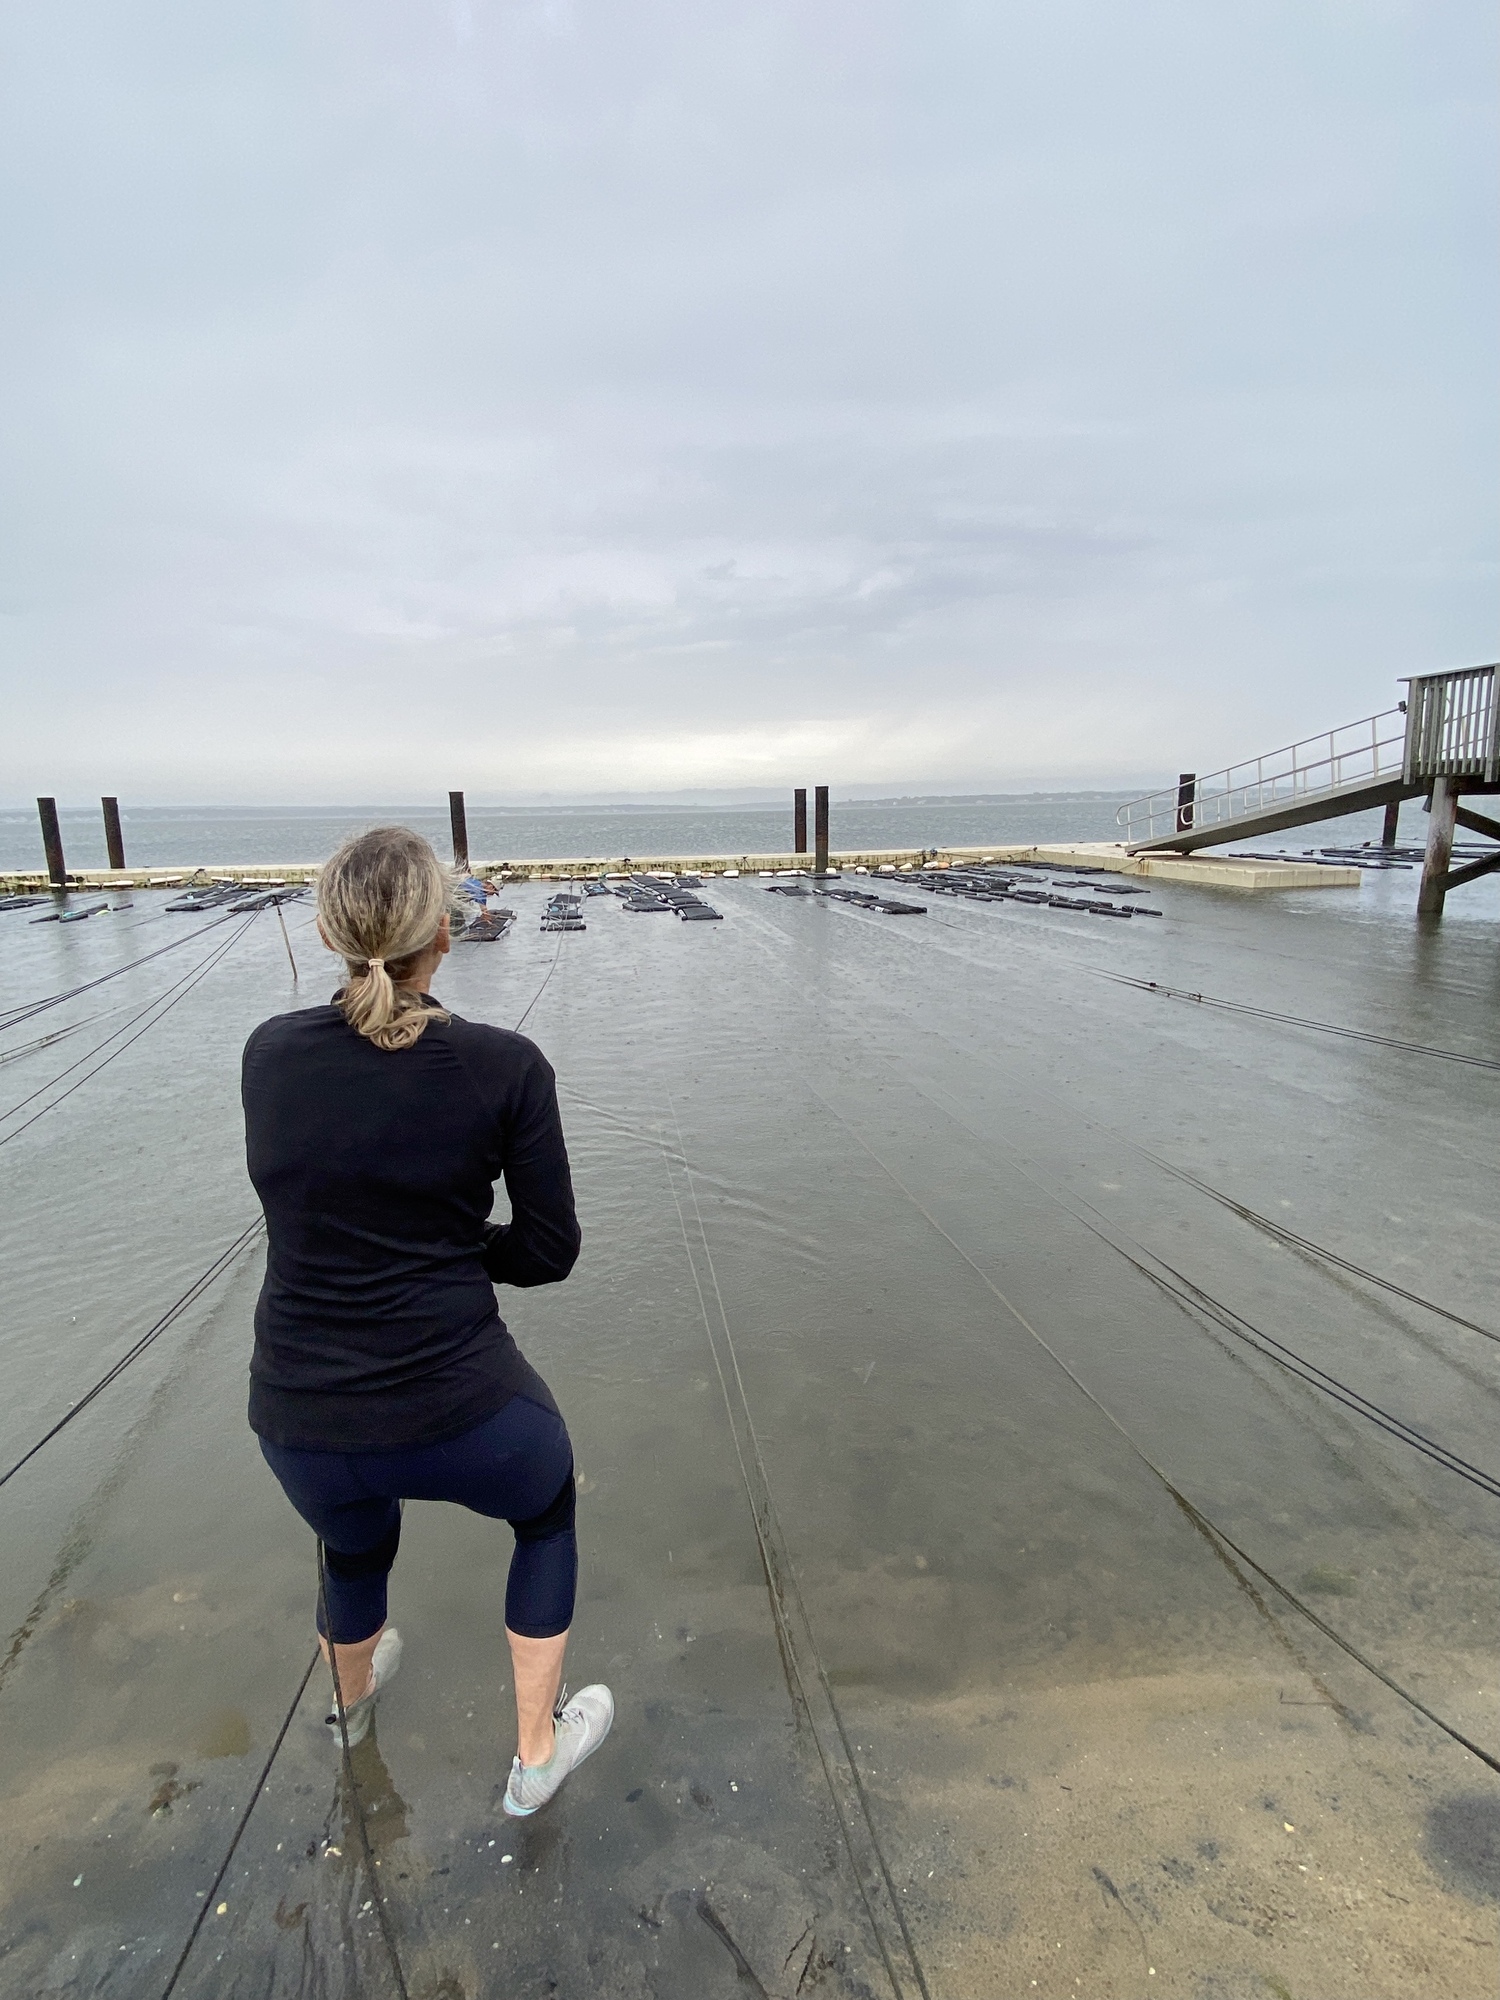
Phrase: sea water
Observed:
(881, 1419)
(182, 837)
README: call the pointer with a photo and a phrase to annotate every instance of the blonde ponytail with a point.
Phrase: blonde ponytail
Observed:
(380, 902)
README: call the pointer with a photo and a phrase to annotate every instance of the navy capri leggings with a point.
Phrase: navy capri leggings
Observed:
(516, 1467)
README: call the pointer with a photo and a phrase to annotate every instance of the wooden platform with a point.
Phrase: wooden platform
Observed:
(1200, 871)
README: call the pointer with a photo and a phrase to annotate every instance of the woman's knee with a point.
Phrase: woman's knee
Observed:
(376, 1560)
(556, 1518)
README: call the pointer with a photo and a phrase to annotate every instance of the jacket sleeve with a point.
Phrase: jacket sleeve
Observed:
(539, 1245)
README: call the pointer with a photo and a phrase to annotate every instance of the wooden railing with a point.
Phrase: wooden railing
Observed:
(1453, 727)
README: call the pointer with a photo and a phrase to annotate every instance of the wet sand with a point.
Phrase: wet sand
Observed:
(1003, 1713)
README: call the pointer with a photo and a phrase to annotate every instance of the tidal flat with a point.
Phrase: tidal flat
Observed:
(940, 1474)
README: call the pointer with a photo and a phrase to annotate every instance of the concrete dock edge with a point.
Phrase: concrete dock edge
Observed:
(1200, 871)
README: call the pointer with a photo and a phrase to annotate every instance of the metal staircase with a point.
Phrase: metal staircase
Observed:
(1342, 771)
(1443, 740)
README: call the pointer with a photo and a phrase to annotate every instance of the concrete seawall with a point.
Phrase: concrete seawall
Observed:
(1195, 870)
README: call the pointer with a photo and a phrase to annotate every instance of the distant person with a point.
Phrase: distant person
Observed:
(470, 899)
(376, 1128)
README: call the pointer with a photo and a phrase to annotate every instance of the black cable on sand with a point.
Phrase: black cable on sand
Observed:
(1306, 1244)
(159, 1008)
(543, 987)
(1289, 1237)
(1192, 1295)
(1299, 1021)
(1207, 1527)
(1196, 1299)
(56, 1035)
(240, 1825)
(12, 1017)
(1165, 992)
(786, 1600)
(1217, 1538)
(194, 1291)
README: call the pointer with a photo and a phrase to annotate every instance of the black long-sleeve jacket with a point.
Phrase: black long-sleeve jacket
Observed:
(377, 1325)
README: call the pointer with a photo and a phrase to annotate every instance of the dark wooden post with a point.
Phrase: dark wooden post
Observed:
(114, 840)
(57, 873)
(799, 820)
(820, 830)
(1388, 829)
(1444, 816)
(1187, 792)
(460, 829)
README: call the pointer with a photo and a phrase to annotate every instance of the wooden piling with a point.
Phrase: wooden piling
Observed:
(114, 839)
(57, 873)
(820, 830)
(1388, 825)
(1187, 794)
(799, 820)
(460, 829)
(1443, 815)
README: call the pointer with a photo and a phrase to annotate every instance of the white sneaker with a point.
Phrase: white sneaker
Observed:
(360, 1714)
(582, 1725)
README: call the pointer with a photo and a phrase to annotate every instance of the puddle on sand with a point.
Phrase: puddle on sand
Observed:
(224, 1733)
(1085, 1751)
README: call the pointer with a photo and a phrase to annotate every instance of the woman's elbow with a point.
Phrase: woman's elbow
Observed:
(568, 1251)
(549, 1263)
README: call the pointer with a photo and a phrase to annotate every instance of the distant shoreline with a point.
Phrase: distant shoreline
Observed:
(175, 837)
(670, 803)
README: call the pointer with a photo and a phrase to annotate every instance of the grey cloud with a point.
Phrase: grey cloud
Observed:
(576, 359)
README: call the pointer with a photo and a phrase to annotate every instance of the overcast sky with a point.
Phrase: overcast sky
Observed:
(643, 393)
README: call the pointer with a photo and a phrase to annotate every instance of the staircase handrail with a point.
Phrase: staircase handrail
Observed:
(1355, 755)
